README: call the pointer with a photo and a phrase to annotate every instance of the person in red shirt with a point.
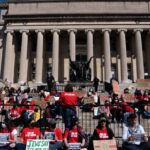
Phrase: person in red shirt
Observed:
(102, 132)
(15, 115)
(54, 134)
(68, 99)
(75, 134)
(127, 110)
(8, 135)
(29, 132)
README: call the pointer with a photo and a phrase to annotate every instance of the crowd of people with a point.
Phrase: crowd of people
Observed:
(38, 118)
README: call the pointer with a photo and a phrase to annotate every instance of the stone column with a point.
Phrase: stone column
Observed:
(39, 57)
(24, 57)
(123, 55)
(107, 55)
(90, 50)
(72, 44)
(8, 56)
(55, 54)
(148, 53)
(139, 54)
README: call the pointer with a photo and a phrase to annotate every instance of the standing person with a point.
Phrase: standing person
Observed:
(134, 136)
(102, 132)
(29, 132)
(51, 82)
(95, 83)
(68, 99)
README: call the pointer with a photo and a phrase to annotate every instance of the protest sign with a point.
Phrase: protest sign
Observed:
(116, 88)
(88, 100)
(105, 145)
(74, 146)
(37, 145)
(129, 98)
(138, 136)
(4, 137)
(50, 135)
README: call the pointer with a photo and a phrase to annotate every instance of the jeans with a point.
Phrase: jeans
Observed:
(68, 113)
(55, 146)
(142, 146)
(20, 146)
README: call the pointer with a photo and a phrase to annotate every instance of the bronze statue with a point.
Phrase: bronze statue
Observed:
(80, 71)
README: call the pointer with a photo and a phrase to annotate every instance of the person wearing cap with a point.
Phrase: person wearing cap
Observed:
(102, 132)
(75, 134)
(54, 134)
(134, 136)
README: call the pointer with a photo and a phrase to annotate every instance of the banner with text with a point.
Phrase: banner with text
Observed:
(37, 145)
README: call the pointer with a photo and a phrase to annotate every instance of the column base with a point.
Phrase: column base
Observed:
(126, 81)
(22, 83)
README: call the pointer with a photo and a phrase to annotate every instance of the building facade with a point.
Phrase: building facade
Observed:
(39, 36)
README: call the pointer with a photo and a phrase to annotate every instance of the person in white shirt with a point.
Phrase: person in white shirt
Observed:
(134, 136)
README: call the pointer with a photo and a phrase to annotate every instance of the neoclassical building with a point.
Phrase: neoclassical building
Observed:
(39, 36)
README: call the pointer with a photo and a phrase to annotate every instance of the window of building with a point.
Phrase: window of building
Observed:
(33, 71)
(129, 71)
(49, 68)
(114, 70)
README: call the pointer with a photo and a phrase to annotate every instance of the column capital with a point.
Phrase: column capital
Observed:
(119, 30)
(9, 31)
(27, 31)
(72, 30)
(42, 31)
(135, 30)
(55, 30)
(104, 30)
(87, 30)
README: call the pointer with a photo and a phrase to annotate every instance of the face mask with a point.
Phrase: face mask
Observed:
(3, 125)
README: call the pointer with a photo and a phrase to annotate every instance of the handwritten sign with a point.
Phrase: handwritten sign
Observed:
(116, 88)
(128, 97)
(104, 97)
(105, 145)
(88, 100)
(80, 93)
(37, 145)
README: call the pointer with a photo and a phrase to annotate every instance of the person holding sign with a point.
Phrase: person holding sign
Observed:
(8, 136)
(134, 136)
(54, 135)
(102, 132)
(74, 138)
(29, 132)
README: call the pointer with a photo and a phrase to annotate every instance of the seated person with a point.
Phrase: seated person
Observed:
(14, 115)
(106, 109)
(102, 132)
(29, 132)
(8, 135)
(54, 134)
(134, 137)
(74, 135)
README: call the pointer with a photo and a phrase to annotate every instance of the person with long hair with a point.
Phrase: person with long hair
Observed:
(101, 132)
